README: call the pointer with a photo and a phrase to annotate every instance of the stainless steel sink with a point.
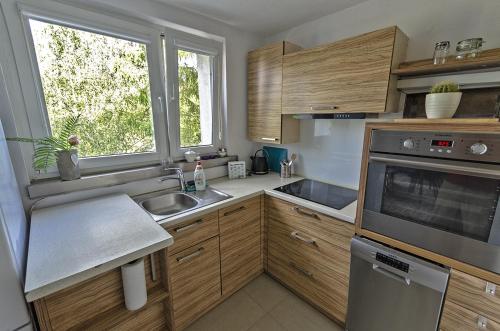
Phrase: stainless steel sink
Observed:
(168, 204)
(162, 205)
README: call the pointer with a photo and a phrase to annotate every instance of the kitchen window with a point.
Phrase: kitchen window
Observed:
(103, 79)
(194, 111)
(144, 93)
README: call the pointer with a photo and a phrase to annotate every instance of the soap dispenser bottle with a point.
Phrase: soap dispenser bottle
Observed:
(200, 181)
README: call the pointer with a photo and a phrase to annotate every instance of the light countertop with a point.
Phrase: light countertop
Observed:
(242, 189)
(73, 242)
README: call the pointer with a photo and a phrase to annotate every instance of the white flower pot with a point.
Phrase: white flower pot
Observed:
(442, 105)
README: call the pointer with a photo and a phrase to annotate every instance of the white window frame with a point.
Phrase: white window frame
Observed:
(175, 40)
(96, 23)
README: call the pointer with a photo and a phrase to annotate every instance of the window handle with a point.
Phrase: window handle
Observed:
(172, 93)
(161, 105)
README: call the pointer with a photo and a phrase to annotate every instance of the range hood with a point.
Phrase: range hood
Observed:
(334, 116)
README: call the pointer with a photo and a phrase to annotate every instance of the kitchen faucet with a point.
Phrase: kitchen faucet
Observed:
(179, 175)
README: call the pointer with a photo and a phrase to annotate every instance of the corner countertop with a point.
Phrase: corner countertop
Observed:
(242, 189)
(73, 242)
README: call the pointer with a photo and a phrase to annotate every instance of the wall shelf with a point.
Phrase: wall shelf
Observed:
(487, 59)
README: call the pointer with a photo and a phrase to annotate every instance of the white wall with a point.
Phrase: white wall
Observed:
(13, 103)
(331, 150)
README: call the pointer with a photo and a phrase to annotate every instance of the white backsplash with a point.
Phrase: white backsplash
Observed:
(330, 151)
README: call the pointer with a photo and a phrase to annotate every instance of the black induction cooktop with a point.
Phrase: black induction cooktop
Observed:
(333, 196)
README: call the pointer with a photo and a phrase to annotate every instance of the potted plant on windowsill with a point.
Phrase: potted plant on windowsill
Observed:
(60, 150)
(443, 100)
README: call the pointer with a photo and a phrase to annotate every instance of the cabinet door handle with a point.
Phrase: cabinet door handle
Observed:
(196, 253)
(300, 211)
(227, 213)
(189, 226)
(269, 139)
(306, 273)
(482, 322)
(296, 235)
(322, 107)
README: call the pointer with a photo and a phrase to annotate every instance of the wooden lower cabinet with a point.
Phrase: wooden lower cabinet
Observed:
(471, 304)
(195, 284)
(310, 253)
(240, 244)
(98, 303)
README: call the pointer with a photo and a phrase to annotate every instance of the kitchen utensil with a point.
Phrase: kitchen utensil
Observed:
(292, 159)
(276, 155)
(469, 48)
(285, 170)
(260, 164)
(441, 52)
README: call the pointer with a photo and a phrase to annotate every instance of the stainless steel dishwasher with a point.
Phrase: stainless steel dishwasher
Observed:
(393, 291)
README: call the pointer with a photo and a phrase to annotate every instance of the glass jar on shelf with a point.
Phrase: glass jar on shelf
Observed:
(469, 48)
(441, 52)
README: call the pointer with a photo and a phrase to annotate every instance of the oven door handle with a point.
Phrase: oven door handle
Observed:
(442, 165)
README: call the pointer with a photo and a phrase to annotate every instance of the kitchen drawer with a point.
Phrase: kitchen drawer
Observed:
(472, 293)
(192, 232)
(228, 217)
(194, 281)
(457, 318)
(240, 245)
(312, 266)
(336, 232)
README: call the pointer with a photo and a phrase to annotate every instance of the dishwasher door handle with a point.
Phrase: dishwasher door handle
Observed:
(391, 274)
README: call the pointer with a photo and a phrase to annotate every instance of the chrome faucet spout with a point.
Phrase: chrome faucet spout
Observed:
(179, 175)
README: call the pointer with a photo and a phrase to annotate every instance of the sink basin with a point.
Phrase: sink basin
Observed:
(169, 204)
(162, 205)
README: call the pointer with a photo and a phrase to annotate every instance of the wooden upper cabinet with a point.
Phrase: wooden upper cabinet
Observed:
(351, 75)
(265, 73)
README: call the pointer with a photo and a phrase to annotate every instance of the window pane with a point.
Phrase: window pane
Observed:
(195, 99)
(102, 78)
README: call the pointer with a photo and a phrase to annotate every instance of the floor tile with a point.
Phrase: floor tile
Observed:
(266, 292)
(237, 313)
(296, 315)
(267, 323)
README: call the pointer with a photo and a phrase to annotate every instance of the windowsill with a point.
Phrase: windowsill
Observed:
(48, 187)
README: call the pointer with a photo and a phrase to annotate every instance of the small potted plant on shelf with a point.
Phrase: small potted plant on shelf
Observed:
(443, 100)
(60, 150)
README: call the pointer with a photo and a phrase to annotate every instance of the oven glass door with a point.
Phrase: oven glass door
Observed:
(456, 197)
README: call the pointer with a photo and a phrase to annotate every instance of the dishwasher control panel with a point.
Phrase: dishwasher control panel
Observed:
(393, 262)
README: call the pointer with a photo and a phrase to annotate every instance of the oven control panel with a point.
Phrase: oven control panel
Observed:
(454, 145)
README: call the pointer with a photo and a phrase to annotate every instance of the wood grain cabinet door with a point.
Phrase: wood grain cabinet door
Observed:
(471, 304)
(351, 75)
(265, 71)
(240, 244)
(194, 281)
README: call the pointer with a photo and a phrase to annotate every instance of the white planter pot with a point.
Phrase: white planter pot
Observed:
(442, 105)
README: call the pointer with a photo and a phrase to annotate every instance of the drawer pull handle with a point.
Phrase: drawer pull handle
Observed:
(189, 226)
(269, 139)
(300, 211)
(227, 213)
(296, 235)
(190, 256)
(302, 271)
(490, 288)
(482, 322)
(322, 107)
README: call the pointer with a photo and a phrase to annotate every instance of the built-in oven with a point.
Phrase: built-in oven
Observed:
(437, 191)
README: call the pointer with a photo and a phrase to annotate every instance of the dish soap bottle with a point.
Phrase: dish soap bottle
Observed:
(200, 181)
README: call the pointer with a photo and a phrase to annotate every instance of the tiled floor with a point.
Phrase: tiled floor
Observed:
(264, 305)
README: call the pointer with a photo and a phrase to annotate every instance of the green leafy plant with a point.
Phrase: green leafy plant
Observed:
(445, 87)
(46, 149)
